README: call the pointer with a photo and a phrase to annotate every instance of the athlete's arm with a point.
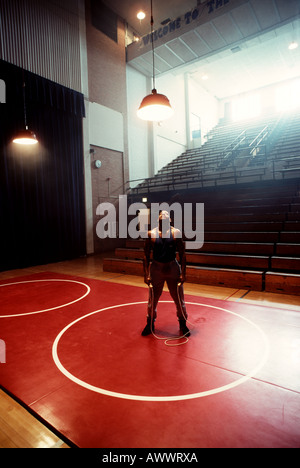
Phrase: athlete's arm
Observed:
(180, 247)
(146, 259)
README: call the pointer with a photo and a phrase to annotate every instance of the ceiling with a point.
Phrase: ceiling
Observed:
(236, 52)
(128, 9)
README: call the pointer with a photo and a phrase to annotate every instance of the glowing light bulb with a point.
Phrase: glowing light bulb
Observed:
(141, 15)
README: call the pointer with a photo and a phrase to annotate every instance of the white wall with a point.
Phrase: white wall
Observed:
(170, 135)
(106, 127)
(203, 105)
(152, 146)
(138, 138)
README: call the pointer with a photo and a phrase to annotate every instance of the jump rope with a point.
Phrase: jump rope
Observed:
(168, 341)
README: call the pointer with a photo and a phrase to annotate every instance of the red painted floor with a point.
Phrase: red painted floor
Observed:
(75, 356)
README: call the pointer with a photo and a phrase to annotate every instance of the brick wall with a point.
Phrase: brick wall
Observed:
(107, 87)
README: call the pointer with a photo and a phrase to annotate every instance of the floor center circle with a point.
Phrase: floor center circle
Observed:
(127, 352)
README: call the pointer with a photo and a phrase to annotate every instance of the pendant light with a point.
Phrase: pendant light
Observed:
(154, 107)
(26, 136)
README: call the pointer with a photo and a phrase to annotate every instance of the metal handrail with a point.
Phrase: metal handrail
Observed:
(266, 130)
(233, 145)
(239, 136)
(252, 142)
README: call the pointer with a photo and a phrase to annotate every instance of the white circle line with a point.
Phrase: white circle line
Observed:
(159, 398)
(51, 308)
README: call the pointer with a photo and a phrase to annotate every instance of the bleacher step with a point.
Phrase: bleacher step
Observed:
(282, 283)
(219, 259)
(241, 279)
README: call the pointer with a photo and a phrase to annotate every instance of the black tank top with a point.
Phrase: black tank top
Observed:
(164, 249)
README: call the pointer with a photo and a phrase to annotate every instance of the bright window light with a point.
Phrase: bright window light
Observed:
(288, 96)
(246, 108)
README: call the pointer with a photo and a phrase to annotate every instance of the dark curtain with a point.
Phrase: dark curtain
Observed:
(42, 202)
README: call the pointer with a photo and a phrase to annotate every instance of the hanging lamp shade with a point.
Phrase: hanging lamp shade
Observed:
(155, 107)
(25, 137)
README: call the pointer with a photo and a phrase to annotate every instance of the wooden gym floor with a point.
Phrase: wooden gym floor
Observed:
(19, 428)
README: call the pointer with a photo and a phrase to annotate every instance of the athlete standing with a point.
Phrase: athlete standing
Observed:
(165, 241)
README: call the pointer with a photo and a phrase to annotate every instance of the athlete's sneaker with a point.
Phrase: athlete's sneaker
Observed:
(183, 328)
(149, 328)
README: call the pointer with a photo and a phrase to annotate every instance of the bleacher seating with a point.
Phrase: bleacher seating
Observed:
(264, 149)
(252, 229)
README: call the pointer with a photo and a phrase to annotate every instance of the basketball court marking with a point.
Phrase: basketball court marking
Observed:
(103, 391)
(88, 289)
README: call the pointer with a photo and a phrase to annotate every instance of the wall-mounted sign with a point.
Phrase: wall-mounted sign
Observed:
(191, 16)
